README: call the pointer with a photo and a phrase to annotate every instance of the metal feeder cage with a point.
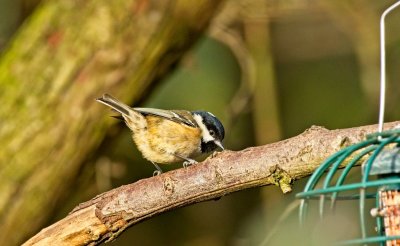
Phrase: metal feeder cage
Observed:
(380, 157)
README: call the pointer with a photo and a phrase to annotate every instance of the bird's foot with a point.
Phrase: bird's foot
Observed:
(156, 173)
(188, 163)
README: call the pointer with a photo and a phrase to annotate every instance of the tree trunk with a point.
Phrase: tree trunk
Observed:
(64, 56)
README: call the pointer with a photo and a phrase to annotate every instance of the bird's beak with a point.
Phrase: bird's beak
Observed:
(219, 144)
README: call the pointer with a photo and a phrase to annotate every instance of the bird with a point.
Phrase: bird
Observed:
(169, 136)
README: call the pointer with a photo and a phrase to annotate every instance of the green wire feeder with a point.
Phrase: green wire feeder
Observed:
(381, 152)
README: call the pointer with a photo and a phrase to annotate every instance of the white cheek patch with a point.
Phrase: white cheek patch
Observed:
(204, 131)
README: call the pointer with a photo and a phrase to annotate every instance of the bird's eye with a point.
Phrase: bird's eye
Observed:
(212, 133)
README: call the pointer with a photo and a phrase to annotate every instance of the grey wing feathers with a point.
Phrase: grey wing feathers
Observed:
(168, 114)
(182, 117)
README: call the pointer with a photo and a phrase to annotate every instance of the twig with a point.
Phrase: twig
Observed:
(109, 214)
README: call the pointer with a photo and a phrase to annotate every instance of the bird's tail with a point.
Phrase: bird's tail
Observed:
(115, 104)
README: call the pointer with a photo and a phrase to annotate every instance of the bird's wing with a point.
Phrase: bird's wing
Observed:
(179, 116)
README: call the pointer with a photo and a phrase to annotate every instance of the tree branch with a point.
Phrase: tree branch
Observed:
(109, 214)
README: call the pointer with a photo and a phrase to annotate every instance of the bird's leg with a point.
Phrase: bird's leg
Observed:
(188, 162)
(158, 171)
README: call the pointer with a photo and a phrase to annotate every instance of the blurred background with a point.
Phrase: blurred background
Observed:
(269, 70)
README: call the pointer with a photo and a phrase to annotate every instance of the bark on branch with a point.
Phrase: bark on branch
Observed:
(108, 214)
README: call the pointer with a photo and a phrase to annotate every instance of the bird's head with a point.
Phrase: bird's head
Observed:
(212, 131)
